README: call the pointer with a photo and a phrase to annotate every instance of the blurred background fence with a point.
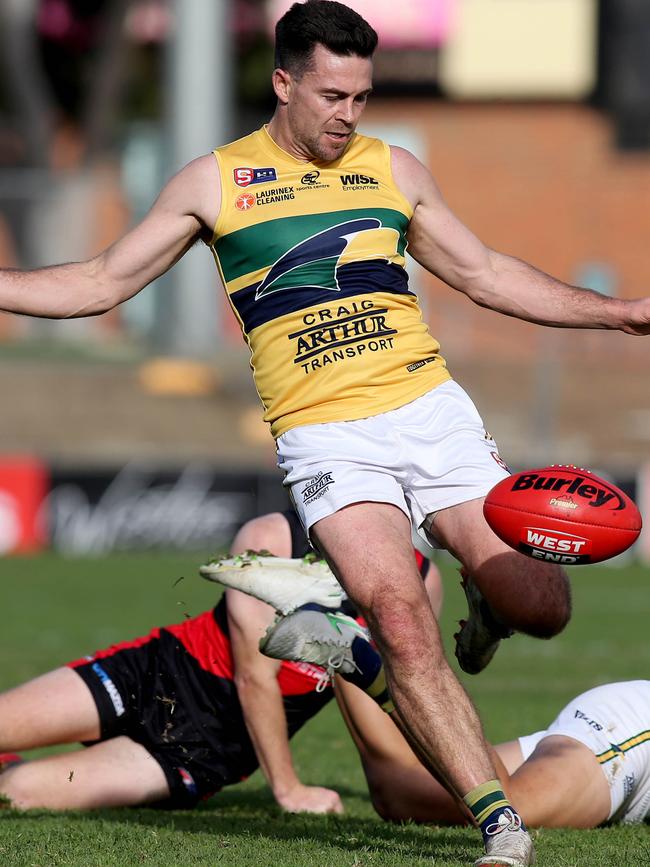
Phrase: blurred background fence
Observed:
(141, 427)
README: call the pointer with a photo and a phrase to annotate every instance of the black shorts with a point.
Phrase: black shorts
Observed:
(189, 720)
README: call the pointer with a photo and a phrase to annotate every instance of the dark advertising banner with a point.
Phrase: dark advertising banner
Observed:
(81, 511)
(140, 507)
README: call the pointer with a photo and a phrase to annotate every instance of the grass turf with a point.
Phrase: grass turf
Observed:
(56, 609)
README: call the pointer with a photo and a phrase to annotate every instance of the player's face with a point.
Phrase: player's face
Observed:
(324, 105)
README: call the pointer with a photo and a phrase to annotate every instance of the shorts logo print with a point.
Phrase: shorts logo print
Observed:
(497, 457)
(188, 780)
(111, 689)
(316, 487)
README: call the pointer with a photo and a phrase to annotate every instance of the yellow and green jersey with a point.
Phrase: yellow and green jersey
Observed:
(312, 258)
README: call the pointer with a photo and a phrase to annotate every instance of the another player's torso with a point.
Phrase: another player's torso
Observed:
(312, 257)
(207, 639)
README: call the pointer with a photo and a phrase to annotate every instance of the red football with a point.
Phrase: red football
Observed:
(562, 514)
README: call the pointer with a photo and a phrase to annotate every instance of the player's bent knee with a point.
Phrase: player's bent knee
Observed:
(526, 595)
(559, 604)
(550, 607)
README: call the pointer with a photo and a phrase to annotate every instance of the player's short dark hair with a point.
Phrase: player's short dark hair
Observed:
(337, 27)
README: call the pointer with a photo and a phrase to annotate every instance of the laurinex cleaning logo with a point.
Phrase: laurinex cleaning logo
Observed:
(245, 202)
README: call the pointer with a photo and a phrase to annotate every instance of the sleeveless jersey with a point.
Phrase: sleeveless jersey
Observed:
(312, 259)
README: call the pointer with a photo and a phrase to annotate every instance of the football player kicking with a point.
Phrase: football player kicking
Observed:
(172, 717)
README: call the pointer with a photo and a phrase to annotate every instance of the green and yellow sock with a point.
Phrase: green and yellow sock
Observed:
(487, 803)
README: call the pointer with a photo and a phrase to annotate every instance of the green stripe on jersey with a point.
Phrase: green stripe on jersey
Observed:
(258, 246)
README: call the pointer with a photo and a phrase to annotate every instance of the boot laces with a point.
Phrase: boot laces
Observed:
(334, 662)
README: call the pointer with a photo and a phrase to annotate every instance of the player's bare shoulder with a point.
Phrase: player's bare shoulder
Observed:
(413, 179)
(196, 191)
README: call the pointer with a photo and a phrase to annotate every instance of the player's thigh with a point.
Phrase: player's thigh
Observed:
(529, 594)
(561, 785)
(54, 708)
(369, 547)
(463, 530)
(116, 772)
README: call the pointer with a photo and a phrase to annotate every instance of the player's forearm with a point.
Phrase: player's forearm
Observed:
(517, 289)
(58, 292)
(267, 728)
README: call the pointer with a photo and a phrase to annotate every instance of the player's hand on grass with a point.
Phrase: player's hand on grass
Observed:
(310, 799)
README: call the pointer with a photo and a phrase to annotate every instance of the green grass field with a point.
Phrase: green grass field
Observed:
(54, 610)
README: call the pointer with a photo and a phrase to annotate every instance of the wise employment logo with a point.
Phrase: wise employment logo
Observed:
(314, 262)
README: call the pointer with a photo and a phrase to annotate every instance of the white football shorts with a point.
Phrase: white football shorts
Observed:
(424, 456)
(614, 722)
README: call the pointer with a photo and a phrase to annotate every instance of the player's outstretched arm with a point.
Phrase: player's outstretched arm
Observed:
(186, 209)
(447, 248)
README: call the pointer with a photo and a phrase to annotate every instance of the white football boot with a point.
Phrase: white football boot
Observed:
(508, 844)
(318, 637)
(284, 583)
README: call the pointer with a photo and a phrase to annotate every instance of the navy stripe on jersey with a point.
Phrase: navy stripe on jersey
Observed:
(355, 278)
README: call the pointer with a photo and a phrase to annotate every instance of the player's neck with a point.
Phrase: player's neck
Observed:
(279, 131)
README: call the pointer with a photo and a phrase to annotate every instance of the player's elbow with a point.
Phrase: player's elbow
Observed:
(479, 288)
(69, 291)
(91, 291)
(249, 681)
(478, 280)
(88, 307)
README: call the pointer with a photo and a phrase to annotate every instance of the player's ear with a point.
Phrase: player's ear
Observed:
(282, 83)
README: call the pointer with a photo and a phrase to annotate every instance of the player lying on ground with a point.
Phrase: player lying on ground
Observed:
(591, 765)
(198, 698)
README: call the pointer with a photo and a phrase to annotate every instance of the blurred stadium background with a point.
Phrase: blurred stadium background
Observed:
(141, 428)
